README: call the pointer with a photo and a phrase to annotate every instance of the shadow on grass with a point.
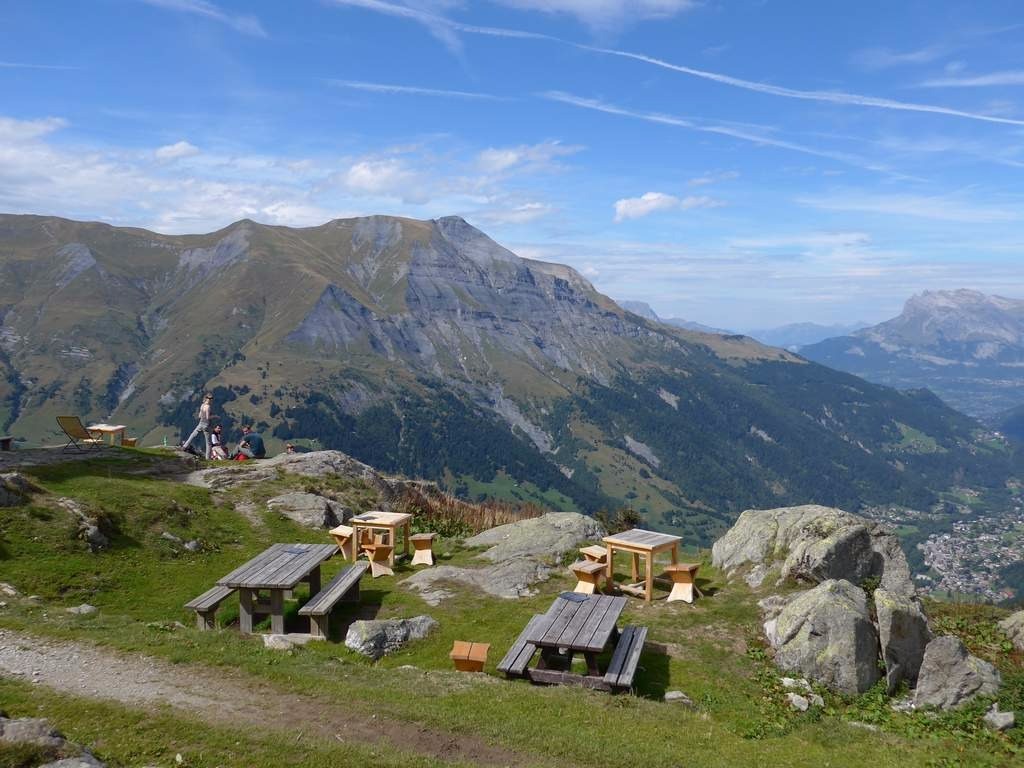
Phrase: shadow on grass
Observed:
(706, 587)
(652, 674)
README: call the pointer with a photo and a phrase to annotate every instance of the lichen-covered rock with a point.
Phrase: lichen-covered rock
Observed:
(999, 721)
(1013, 626)
(308, 509)
(903, 632)
(379, 638)
(815, 543)
(950, 676)
(826, 634)
(509, 579)
(547, 537)
(82, 610)
(31, 730)
(84, 760)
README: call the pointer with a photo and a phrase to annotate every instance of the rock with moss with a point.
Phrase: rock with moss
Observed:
(903, 633)
(951, 677)
(379, 638)
(1013, 626)
(815, 543)
(547, 537)
(826, 634)
(309, 509)
(15, 489)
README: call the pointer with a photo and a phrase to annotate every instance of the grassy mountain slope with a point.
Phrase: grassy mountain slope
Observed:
(427, 348)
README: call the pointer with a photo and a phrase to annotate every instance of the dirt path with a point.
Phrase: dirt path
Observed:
(223, 698)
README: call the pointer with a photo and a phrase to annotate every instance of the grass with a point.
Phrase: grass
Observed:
(710, 650)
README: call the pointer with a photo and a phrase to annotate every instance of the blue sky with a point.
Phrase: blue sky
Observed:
(743, 163)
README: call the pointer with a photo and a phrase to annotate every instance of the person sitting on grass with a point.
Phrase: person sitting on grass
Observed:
(217, 450)
(251, 446)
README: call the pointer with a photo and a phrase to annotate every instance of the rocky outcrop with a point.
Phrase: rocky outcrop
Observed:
(509, 580)
(951, 677)
(379, 638)
(546, 538)
(88, 525)
(903, 633)
(1013, 626)
(15, 489)
(827, 635)
(815, 543)
(38, 732)
(309, 509)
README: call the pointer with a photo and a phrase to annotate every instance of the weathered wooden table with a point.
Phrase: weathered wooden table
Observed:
(277, 569)
(640, 542)
(574, 623)
(109, 430)
(385, 521)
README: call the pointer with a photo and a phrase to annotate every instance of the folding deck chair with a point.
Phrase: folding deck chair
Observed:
(78, 435)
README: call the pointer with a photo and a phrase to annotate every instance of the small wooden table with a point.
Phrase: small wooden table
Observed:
(109, 430)
(277, 569)
(640, 542)
(386, 521)
(578, 624)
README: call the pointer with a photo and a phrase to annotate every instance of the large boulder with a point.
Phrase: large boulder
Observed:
(547, 537)
(378, 638)
(826, 634)
(15, 489)
(509, 579)
(815, 543)
(309, 509)
(84, 760)
(950, 676)
(31, 730)
(1013, 626)
(903, 632)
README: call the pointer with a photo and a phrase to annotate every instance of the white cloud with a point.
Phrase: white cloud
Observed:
(515, 214)
(530, 157)
(248, 25)
(713, 178)
(12, 130)
(175, 151)
(811, 240)
(1007, 77)
(601, 14)
(949, 209)
(387, 177)
(874, 59)
(26, 65)
(412, 90)
(653, 202)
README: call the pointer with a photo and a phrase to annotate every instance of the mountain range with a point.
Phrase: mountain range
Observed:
(426, 348)
(966, 346)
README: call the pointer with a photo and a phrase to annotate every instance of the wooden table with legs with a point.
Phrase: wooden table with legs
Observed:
(276, 570)
(384, 521)
(109, 430)
(639, 542)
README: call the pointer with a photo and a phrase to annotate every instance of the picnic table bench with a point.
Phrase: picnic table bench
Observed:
(206, 606)
(344, 586)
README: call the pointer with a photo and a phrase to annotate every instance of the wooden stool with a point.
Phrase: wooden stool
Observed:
(589, 575)
(342, 534)
(594, 553)
(423, 548)
(469, 657)
(378, 555)
(684, 576)
(129, 442)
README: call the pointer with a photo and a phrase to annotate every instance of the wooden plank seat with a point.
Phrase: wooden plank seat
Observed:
(206, 606)
(342, 535)
(589, 574)
(684, 578)
(344, 586)
(379, 555)
(595, 553)
(626, 657)
(423, 548)
(6, 442)
(514, 663)
(469, 657)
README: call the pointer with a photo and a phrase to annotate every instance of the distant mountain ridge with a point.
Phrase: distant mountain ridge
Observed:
(643, 309)
(426, 348)
(966, 346)
(793, 336)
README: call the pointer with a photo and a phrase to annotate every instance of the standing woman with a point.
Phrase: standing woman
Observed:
(203, 425)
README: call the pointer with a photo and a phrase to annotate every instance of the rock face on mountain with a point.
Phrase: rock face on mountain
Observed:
(427, 349)
(814, 543)
(966, 346)
(904, 635)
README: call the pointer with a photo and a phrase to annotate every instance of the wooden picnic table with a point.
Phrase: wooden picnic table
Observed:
(109, 430)
(574, 623)
(640, 542)
(276, 570)
(385, 521)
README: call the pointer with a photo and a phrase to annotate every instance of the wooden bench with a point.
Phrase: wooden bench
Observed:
(469, 657)
(521, 653)
(595, 553)
(624, 661)
(684, 577)
(342, 535)
(344, 586)
(423, 548)
(6, 443)
(206, 606)
(589, 574)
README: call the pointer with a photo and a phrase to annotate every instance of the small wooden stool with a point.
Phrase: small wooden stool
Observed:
(423, 548)
(589, 575)
(684, 577)
(378, 555)
(342, 534)
(594, 553)
(129, 442)
(469, 657)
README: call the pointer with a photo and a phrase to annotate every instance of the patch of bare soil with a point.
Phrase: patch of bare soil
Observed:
(221, 697)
